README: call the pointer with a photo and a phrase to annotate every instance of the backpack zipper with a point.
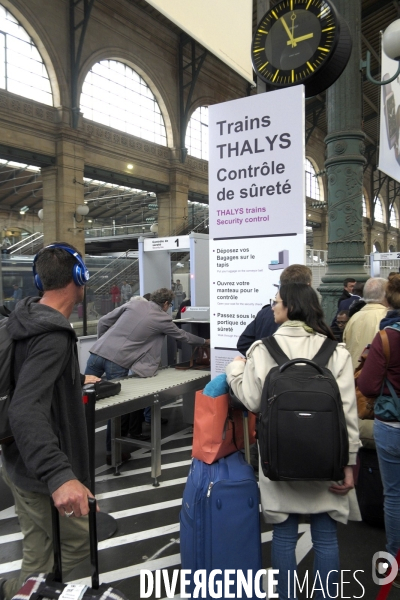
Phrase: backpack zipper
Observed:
(209, 488)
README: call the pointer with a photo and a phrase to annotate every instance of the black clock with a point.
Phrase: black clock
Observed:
(301, 42)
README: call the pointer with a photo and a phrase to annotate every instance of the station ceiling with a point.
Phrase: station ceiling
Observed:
(21, 185)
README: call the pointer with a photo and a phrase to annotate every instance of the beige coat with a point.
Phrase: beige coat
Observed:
(281, 498)
(362, 328)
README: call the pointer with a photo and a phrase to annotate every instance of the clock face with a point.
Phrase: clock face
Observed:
(294, 40)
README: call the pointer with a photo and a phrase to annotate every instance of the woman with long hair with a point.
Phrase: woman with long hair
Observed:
(301, 334)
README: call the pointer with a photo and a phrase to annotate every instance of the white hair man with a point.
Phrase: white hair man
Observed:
(363, 326)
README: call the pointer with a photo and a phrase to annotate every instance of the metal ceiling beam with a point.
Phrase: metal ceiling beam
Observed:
(15, 171)
(376, 7)
(16, 189)
(26, 156)
(379, 178)
(371, 49)
(39, 202)
(317, 112)
(370, 104)
(25, 197)
(99, 211)
(196, 197)
(392, 195)
(121, 179)
(193, 67)
(77, 32)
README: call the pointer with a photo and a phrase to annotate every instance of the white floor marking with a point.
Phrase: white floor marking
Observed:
(111, 477)
(138, 536)
(8, 513)
(12, 537)
(14, 565)
(144, 453)
(129, 512)
(188, 431)
(134, 570)
(100, 429)
(164, 563)
(304, 545)
(139, 488)
(173, 450)
(172, 542)
(177, 402)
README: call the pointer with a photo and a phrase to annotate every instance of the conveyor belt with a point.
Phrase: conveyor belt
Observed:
(137, 393)
(138, 388)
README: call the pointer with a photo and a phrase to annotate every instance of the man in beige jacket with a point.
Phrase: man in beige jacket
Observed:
(363, 326)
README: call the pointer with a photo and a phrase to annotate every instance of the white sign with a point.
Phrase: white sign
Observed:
(389, 146)
(377, 257)
(180, 242)
(223, 27)
(244, 274)
(257, 208)
(385, 256)
(256, 168)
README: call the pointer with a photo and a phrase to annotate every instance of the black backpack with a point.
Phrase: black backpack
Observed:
(7, 383)
(302, 431)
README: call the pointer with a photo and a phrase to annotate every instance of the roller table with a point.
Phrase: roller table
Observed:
(137, 393)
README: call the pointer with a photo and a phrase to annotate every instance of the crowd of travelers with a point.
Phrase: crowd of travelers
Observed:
(48, 456)
(296, 320)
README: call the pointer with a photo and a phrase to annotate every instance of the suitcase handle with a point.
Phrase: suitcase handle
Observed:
(94, 557)
(296, 361)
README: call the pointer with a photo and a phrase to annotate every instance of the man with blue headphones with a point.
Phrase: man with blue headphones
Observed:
(49, 454)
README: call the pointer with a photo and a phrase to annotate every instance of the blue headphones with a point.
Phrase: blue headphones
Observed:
(80, 274)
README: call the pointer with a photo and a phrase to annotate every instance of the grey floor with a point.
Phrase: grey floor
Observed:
(148, 522)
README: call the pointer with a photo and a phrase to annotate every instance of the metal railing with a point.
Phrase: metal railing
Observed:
(201, 227)
(129, 273)
(115, 268)
(27, 245)
(118, 230)
(317, 261)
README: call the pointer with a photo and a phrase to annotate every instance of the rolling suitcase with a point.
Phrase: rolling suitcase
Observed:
(50, 586)
(220, 518)
(369, 488)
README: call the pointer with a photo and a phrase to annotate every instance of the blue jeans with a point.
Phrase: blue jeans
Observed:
(97, 365)
(387, 440)
(326, 555)
(147, 414)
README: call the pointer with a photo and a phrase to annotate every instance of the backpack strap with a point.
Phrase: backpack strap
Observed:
(275, 350)
(325, 352)
(385, 346)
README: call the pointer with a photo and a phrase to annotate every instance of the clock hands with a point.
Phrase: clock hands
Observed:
(293, 18)
(291, 39)
(300, 39)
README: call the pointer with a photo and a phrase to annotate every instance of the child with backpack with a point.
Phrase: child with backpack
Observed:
(306, 411)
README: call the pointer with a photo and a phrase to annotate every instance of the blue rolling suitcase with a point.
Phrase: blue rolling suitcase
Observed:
(220, 518)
